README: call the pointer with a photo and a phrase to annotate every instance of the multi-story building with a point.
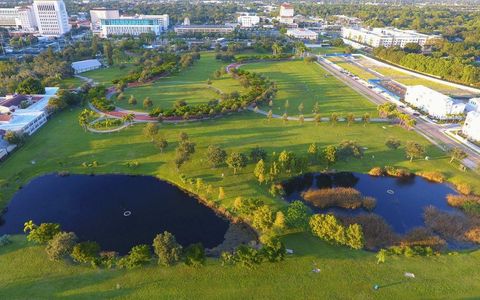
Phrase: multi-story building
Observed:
(302, 33)
(134, 25)
(386, 37)
(286, 13)
(435, 104)
(20, 17)
(247, 21)
(471, 127)
(473, 105)
(99, 13)
(192, 29)
(52, 17)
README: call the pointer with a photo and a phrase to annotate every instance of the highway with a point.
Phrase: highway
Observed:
(431, 131)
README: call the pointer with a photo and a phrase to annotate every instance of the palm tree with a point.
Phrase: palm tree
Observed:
(366, 119)
(128, 118)
(350, 119)
(276, 49)
(334, 118)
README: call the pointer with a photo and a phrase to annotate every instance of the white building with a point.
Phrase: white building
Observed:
(86, 65)
(248, 21)
(204, 29)
(471, 128)
(386, 37)
(302, 33)
(20, 17)
(473, 105)
(435, 104)
(97, 14)
(135, 25)
(30, 119)
(52, 17)
(286, 13)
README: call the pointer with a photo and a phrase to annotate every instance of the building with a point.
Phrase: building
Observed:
(186, 21)
(26, 120)
(52, 17)
(20, 17)
(134, 25)
(435, 104)
(192, 29)
(247, 21)
(99, 13)
(86, 65)
(386, 37)
(286, 13)
(302, 33)
(471, 127)
(473, 105)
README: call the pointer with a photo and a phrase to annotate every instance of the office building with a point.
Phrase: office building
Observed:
(97, 14)
(134, 25)
(386, 37)
(248, 21)
(286, 13)
(20, 17)
(302, 34)
(52, 17)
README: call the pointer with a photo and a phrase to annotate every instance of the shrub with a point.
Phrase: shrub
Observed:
(473, 235)
(450, 226)
(330, 229)
(195, 255)
(392, 143)
(43, 233)
(167, 249)
(138, 255)
(216, 156)
(297, 215)
(468, 203)
(247, 256)
(397, 172)
(376, 232)
(433, 176)
(85, 252)
(423, 237)
(349, 148)
(376, 171)
(263, 218)
(5, 240)
(369, 203)
(273, 251)
(108, 259)
(257, 154)
(348, 198)
(463, 188)
(61, 245)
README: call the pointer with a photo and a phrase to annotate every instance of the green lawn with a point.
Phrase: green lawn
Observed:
(302, 82)
(71, 83)
(326, 50)
(345, 274)
(189, 85)
(106, 75)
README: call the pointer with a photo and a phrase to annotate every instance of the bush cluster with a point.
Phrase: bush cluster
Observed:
(249, 257)
(348, 198)
(329, 228)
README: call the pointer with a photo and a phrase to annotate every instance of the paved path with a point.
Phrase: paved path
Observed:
(431, 131)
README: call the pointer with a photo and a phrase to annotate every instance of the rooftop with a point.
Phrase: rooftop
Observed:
(86, 64)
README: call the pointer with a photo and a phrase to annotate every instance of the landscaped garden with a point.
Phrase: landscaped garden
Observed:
(219, 160)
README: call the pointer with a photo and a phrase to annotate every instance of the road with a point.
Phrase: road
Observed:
(431, 131)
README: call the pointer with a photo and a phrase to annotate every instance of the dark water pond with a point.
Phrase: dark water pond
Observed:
(94, 207)
(400, 201)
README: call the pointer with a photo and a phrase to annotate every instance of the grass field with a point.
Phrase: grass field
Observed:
(106, 75)
(302, 82)
(326, 50)
(62, 145)
(189, 85)
(71, 83)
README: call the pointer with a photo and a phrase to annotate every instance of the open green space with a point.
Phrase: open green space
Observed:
(71, 83)
(326, 50)
(302, 82)
(62, 145)
(106, 75)
(189, 85)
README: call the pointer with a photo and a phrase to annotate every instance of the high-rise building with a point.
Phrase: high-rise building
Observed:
(8, 17)
(52, 17)
(135, 25)
(20, 17)
(286, 13)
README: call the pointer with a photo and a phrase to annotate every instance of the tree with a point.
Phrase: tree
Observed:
(317, 119)
(334, 118)
(273, 251)
(350, 119)
(269, 115)
(354, 236)
(108, 52)
(138, 255)
(286, 105)
(457, 154)
(216, 156)
(301, 119)
(414, 150)
(301, 107)
(132, 100)
(30, 86)
(43, 233)
(237, 161)
(195, 255)
(393, 143)
(14, 137)
(167, 249)
(121, 97)
(280, 221)
(259, 171)
(276, 49)
(221, 194)
(366, 119)
(147, 103)
(161, 143)
(183, 136)
(85, 252)
(285, 118)
(297, 215)
(330, 154)
(263, 218)
(257, 153)
(128, 118)
(313, 151)
(150, 131)
(381, 256)
(61, 245)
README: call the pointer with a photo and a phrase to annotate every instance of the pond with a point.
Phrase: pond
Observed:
(117, 211)
(400, 201)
